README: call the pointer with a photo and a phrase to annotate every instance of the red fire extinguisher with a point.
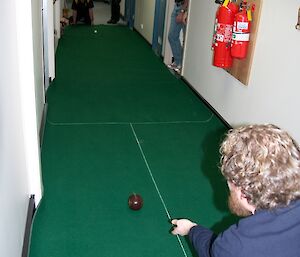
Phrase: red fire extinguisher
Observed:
(241, 32)
(223, 34)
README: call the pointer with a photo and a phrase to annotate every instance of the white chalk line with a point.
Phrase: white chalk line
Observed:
(128, 123)
(141, 150)
(156, 187)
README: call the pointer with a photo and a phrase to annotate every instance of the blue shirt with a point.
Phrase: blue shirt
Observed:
(267, 233)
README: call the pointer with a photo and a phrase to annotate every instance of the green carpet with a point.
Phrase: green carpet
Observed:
(113, 75)
(109, 91)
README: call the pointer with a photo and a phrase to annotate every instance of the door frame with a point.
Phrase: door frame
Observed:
(130, 13)
(159, 26)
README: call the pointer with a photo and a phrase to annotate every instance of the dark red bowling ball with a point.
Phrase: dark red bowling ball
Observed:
(135, 202)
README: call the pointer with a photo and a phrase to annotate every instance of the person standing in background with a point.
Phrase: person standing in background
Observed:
(115, 12)
(177, 24)
(83, 11)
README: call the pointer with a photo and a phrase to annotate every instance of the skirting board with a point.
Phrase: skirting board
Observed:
(30, 213)
(43, 123)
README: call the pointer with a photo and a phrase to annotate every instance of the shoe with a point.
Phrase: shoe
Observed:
(112, 21)
(172, 65)
(177, 69)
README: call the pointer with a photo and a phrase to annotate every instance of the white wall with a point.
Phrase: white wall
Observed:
(144, 18)
(38, 58)
(166, 51)
(272, 95)
(14, 189)
(18, 130)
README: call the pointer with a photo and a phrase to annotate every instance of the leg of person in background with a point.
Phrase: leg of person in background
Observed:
(74, 17)
(115, 12)
(91, 16)
(89, 12)
(85, 17)
(174, 40)
(74, 13)
(117, 9)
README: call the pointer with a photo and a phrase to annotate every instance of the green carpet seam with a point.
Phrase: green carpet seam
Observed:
(128, 123)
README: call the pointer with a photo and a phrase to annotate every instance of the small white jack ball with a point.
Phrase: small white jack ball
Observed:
(95, 31)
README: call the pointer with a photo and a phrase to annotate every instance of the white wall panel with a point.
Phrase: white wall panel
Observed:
(38, 58)
(18, 131)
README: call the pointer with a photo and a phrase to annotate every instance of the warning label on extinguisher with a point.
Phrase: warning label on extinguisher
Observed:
(242, 25)
(224, 33)
(241, 36)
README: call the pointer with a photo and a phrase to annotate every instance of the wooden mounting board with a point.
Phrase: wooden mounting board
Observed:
(241, 69)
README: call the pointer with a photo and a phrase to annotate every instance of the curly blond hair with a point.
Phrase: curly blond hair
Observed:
(264, 161)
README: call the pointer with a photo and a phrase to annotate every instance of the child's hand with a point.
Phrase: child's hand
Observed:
(182, 227)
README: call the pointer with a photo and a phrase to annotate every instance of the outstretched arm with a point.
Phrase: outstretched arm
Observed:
(182, 227)
(201, 238)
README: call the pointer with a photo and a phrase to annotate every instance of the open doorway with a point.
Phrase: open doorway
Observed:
(167, 52)
(129, 12)
(102, 10)
(159, 26)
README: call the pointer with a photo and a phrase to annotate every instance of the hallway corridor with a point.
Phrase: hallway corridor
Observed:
(119, 122)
